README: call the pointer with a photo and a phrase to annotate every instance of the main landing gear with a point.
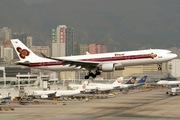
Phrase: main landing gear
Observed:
(93, 75)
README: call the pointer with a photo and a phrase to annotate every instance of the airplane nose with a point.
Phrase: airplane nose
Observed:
(175, 55)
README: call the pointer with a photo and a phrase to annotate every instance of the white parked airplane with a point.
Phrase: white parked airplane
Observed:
(58, 93)
(107, 87)
(97, 86)
(94, 63)
(165, 82)
(114, 84)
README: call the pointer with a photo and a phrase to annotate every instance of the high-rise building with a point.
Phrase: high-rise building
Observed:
(102, 48)
(1, 52)
(62, 41)
(97, 48)
(41, 49)
(29, 41)
(21, 36)
(92, 48)
(83, 49)
(69, 35)
(76, 49)
(8, 54)
(5, 33)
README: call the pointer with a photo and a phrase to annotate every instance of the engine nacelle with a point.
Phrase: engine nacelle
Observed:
(108, 67)
(44, 96)
(119, 66)
(88, 90)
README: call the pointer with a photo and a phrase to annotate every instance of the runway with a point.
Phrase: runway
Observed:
(137, 105)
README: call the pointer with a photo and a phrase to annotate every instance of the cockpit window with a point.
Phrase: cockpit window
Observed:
(169, 53)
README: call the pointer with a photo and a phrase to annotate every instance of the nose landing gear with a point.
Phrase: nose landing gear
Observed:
(160, 66)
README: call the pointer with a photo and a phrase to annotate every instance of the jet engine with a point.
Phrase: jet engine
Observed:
(108, 67)
(44, 96)
(119, 66)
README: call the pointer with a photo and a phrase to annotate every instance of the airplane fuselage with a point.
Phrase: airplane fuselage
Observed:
(165, 82)
(123, 59)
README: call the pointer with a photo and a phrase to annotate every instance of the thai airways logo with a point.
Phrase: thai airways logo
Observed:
(23, 52)
(132, 80)
(119, 80)
(84, 86)
(153, 55)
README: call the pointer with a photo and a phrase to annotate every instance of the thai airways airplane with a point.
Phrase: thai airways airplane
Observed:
(94, 63)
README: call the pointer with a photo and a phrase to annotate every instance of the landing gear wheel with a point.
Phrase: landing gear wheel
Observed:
(94, 75)
(91, 74)
(98, 72)
(86, 77)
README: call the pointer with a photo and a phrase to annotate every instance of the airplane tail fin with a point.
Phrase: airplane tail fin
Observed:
(84, 84)
(23, 52)
(142, 80)
(131, 81)
(118, 81)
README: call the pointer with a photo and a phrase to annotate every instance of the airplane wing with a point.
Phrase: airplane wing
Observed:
(83, 64)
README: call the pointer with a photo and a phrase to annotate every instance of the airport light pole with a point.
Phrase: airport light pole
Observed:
(18, 79)
(4, 75)
(28, 79)
(79, 75)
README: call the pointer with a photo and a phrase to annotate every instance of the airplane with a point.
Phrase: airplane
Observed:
(117, 82)
(95, 86)
(107, 87)
(165, 82)
(141, 81)
(128, 84)
(94, 63)
(59, 93)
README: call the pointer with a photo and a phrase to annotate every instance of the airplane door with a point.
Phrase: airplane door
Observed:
(42, 64)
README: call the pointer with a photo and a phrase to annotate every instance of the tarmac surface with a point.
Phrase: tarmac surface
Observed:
(136, 105)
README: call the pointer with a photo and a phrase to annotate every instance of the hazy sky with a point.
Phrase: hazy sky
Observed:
(30, 2)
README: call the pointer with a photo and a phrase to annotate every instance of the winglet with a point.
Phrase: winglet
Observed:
(45, 56)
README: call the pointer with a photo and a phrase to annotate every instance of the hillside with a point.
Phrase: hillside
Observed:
(122, 25)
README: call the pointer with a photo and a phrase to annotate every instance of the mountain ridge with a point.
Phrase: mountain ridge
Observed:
(122, 25)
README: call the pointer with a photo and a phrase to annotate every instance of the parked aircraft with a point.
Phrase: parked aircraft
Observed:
(117, 82)
(165, 82)
(94, 63)
(141, 81)
(107, 87)
(94, 86)
(128, 84)
(58, 93)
